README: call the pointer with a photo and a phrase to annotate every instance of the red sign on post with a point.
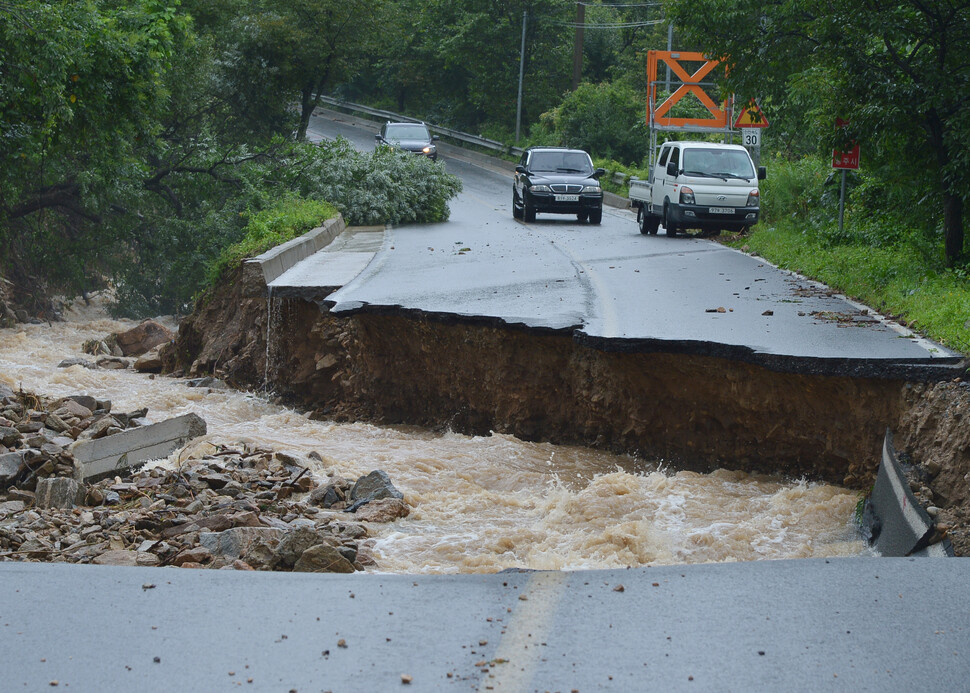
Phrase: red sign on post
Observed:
(849, 159)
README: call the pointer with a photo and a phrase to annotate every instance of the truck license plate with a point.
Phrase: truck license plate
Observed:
(722, 210)
(568, 198)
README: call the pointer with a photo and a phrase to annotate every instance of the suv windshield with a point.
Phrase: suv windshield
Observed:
(407, 131)
(561, 162)
(718, 163)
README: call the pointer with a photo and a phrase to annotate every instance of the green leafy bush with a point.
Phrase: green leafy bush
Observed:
(381, 187)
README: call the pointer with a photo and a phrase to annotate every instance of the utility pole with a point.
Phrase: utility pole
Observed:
(518, 108)
(578, 45)
(670, 47)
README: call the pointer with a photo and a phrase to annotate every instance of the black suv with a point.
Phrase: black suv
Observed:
(409, 137)
(559, 181)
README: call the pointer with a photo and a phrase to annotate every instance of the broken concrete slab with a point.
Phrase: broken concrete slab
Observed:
(130, 449)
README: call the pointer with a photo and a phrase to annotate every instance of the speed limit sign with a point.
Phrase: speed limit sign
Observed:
(751, 137)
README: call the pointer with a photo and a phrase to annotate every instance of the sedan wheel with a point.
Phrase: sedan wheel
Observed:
(530, 210)
(516, 207)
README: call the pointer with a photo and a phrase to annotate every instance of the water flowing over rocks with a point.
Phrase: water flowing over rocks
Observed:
(691, 411)
(239, 507)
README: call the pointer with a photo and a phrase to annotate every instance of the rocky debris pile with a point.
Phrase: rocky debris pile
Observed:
(26, 302)
(238, 507)
(137, 348)
(36, 435)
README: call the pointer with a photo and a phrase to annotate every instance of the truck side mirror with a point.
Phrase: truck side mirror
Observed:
(762, 173)
(672, 169)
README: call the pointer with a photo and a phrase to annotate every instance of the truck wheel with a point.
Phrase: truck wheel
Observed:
(648, 223)
(595, 216)
(530, 211)
(669, 225)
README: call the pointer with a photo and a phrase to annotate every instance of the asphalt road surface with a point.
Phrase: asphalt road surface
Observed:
(612, 286)
(854, 624)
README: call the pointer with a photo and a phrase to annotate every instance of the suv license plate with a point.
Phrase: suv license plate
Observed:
(722, 210)
(572, 198)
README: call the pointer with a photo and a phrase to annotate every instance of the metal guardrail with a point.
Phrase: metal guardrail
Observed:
(476, 140)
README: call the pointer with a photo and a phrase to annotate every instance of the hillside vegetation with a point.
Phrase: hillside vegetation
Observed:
(138, 139)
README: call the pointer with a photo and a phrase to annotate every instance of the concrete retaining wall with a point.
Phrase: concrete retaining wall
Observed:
(277, 260)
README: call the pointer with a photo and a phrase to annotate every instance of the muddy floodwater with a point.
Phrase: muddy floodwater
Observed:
(479, 503)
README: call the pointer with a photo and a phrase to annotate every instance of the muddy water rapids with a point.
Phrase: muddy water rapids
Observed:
(479, 504)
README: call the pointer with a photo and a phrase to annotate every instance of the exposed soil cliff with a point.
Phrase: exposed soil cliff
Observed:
(694, 412)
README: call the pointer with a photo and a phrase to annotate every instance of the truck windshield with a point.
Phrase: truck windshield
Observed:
(718, 163)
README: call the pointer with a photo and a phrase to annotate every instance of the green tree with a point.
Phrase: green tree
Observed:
(897, 69)
(81, 83)
(312, 45)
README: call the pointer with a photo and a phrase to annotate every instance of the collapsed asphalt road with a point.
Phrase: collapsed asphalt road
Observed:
(617, 289)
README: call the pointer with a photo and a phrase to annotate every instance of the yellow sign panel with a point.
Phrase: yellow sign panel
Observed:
(751, 117)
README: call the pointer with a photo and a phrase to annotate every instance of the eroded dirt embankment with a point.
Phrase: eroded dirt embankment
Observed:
(694, 412)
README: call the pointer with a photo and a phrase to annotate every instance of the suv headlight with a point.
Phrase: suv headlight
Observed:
(686, 195)
(541, 188)
(754, 198)
(592, 188)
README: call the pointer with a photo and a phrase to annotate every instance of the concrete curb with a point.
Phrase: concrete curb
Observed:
(894, 517)
(281, 258)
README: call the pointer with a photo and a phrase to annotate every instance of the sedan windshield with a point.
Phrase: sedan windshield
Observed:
(406, 131)
(718, 163)
(561, 162)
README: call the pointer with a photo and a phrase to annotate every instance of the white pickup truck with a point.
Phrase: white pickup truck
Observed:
(698, 185)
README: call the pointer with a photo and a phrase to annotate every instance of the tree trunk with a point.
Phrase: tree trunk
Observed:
(308, 102)
(952, 227)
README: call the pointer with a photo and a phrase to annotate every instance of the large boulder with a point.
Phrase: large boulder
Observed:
(139, 340)
(59, 492)
(383, 510)
(372, 487)
(323, 558)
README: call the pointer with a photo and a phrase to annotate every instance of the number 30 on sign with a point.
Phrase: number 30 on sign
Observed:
(751, 137)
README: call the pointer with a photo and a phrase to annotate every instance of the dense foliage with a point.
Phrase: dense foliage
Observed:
(137, 137)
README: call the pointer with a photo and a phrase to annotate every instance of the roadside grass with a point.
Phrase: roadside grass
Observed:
(900, 281)
(285, 220)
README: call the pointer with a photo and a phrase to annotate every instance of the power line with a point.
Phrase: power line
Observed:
(617, 25)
